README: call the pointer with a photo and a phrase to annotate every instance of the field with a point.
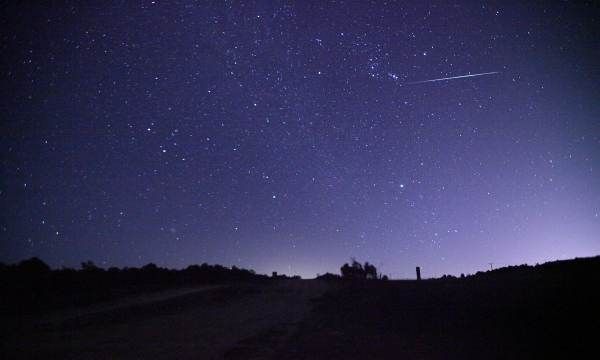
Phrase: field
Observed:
(516, 313)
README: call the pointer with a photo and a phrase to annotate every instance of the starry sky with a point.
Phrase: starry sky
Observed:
(291, 136)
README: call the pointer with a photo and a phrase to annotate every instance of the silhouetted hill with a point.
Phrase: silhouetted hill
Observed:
(572, 268)
(329, 277)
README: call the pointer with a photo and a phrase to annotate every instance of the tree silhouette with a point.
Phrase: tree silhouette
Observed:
(89, 266)
(370, 271)
(356, 270)
(33, 266)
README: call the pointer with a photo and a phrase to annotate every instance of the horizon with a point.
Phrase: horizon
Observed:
(269, 273)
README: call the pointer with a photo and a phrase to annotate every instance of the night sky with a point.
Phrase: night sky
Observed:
(290, 137)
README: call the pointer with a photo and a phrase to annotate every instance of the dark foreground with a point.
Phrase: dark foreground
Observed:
(201, 323)
(518, 313)
(547, 311)
(450, 320)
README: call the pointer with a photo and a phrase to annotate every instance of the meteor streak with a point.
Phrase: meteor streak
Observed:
(453, 77)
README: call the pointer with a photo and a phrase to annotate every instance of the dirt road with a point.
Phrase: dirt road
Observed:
(204, 323)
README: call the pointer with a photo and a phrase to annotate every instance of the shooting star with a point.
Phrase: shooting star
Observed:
(452, 78)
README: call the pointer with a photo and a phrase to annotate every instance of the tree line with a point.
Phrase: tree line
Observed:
(31, 285)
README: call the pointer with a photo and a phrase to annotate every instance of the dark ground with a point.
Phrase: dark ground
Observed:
(548, 311)
(551, 311)
(204, 323)
(449, 320)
